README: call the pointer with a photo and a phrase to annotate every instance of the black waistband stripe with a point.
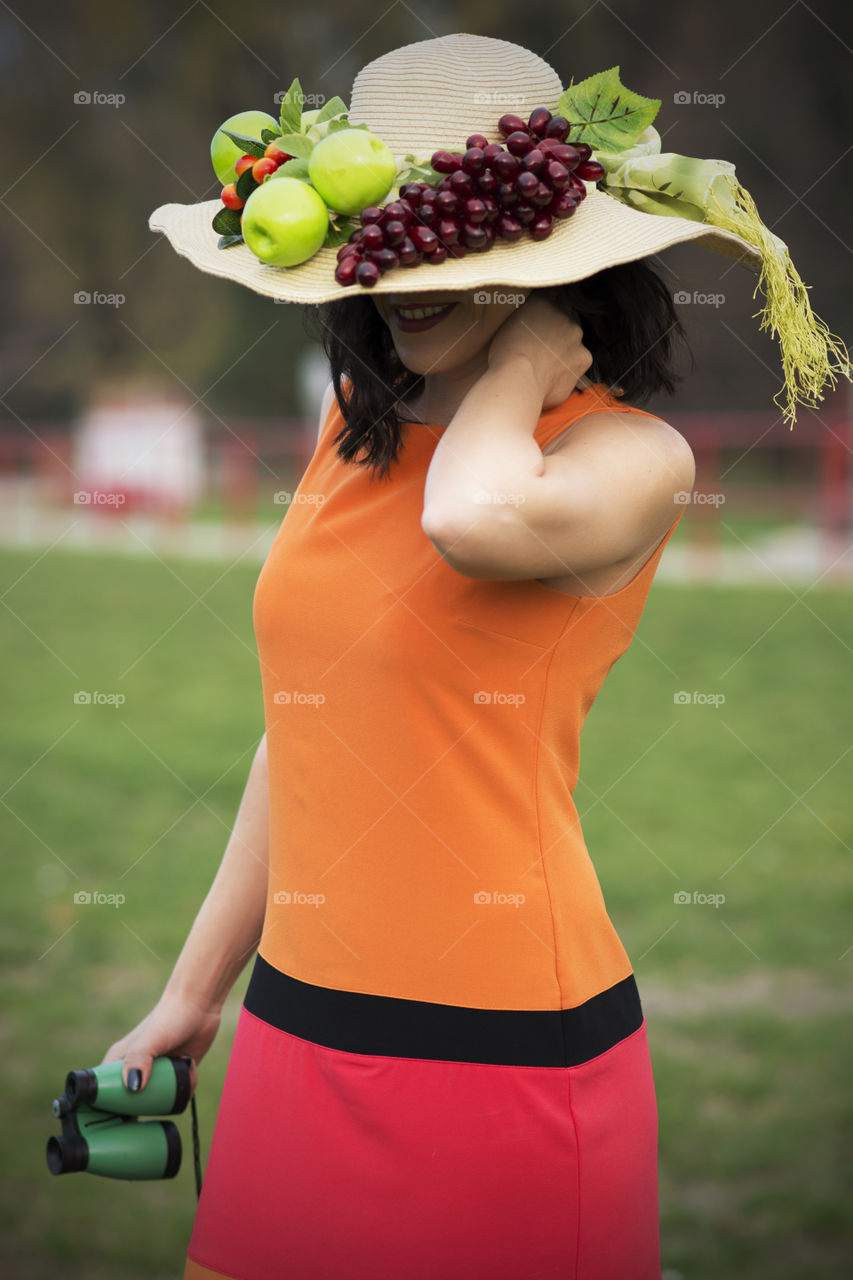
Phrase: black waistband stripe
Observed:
(390, 1027)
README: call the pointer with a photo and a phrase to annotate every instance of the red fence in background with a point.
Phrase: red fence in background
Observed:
(251, 460)
(746, 463)
(724, 443)
(764, 468)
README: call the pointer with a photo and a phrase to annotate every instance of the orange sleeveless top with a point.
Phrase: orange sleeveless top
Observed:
(423, 745)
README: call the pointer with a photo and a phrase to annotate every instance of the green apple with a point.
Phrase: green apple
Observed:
(224, 153)
(284, 222)
(351, 169)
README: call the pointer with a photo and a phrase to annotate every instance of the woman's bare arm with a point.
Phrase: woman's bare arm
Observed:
(225, 933)
(229, 923)
(495, 506)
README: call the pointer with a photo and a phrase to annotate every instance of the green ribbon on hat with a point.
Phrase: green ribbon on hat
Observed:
(658, 182)
(670, 184)
(616, 123)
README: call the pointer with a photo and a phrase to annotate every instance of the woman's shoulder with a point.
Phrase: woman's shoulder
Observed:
(623, 439)
(595, 409)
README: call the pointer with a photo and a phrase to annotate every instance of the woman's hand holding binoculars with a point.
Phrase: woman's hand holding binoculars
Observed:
(176, 1026)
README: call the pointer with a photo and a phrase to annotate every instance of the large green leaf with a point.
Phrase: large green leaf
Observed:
(295, 144)
(227, 222)
(295, 168)
(249, 146)
(604, 113)
(246, 184)
(333, 107)
(291, 108)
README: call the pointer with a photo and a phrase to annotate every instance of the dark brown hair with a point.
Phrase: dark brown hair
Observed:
(629, 324)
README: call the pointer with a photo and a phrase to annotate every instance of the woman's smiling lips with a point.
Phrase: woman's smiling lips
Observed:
(408, 322)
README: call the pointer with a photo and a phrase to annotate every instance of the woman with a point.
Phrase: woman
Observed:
(453, 1150)
(440, 1066)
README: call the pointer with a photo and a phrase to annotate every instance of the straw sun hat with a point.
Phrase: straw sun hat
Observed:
(432, 95)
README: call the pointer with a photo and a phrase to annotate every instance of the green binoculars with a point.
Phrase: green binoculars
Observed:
(101, 1129)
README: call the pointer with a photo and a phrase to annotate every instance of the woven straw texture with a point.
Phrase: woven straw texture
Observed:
(430, 95)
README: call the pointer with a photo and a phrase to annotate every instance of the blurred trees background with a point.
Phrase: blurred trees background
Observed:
(80, 180)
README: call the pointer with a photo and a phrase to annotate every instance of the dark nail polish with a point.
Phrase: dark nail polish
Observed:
(134, 1079)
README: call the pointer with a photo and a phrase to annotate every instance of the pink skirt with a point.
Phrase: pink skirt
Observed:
(328, 1163)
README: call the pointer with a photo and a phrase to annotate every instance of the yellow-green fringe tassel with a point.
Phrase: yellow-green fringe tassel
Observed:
(804, 339)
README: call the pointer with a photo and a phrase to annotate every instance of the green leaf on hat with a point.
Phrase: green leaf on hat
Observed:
(414, 170)
(295, 144)
(225, 242)
(291, 108)
(250, 146)
(318, 131)
(334, 107)
(605, 114)
(227, 222)
(246, 183)
(295, 168)
(340, 231)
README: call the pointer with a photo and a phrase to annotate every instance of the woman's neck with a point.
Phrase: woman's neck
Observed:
(442, 394)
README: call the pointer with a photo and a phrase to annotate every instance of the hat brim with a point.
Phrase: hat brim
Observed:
(601, 233)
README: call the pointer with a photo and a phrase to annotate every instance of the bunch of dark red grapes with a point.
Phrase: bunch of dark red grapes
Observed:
(489, 192)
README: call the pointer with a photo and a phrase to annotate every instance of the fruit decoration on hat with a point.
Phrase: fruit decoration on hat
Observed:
(442, 205)
(311, 181)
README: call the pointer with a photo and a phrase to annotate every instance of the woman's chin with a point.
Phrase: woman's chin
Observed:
(424, 357)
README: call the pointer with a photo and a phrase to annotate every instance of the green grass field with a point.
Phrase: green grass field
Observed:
(747, 1002)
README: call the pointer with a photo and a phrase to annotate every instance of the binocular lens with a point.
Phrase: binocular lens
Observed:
(67, 1154)
(81, 1087)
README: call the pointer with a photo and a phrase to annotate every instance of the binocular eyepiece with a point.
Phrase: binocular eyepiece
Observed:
(101, 1129)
